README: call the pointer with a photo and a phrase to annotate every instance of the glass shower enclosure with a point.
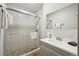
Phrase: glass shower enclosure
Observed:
(22, 32)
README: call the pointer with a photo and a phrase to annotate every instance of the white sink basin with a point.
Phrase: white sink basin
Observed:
(54, 41)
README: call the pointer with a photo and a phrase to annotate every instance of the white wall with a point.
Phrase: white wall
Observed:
(30, 7)
(52, 7)
(42, 14)
(18, 7)
(68, 16)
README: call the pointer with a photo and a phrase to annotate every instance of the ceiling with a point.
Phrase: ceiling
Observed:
(31, 7)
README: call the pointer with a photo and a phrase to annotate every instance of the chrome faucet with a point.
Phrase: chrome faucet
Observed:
(59, 38)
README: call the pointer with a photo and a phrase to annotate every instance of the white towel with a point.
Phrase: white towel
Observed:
(33, 35)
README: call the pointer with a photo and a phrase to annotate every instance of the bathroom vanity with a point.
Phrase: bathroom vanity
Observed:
(53, 47)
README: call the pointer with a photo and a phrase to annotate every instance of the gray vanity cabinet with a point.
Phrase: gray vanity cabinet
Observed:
(49, 50)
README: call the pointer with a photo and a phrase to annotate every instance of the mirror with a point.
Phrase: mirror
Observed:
(65, 18)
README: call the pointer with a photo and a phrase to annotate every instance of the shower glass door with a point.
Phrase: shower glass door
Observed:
(18, 33)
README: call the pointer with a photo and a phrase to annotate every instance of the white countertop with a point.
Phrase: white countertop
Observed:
(61, 44)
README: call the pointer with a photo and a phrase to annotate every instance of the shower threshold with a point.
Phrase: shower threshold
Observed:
(35, 52)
